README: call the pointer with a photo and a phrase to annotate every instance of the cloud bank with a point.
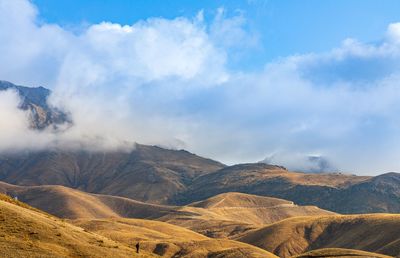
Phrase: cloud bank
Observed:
(167, 82)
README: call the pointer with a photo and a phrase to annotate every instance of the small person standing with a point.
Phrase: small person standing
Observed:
(137, 247)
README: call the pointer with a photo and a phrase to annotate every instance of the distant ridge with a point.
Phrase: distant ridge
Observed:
(148, 173)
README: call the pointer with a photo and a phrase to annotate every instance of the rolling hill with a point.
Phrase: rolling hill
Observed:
(378, 233)
(224, 215)
(228, 214)
(28, 232)
(168, 240)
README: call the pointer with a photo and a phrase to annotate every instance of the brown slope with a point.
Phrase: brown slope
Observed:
(377, 233)
(148, 173)
(168, 240)
(340, 252)
(25, 232)
(228, 214)
(336, 192)
(224, 215)
(377, 194)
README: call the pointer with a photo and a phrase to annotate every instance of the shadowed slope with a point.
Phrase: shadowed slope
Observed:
(335, 192)
(148, 173)
(339, 252)
(374, 233)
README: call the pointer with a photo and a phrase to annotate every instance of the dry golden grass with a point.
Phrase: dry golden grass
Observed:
(340, 252)
(224, 215)
(228, 214)
(168, 240)
(25, 232)
(374, 233)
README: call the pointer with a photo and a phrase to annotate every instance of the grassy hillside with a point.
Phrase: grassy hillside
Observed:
(224, 215)
(228, 214)
(26, 232)
(377, 233)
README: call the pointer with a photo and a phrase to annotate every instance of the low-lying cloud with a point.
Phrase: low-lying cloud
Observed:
(167, 82)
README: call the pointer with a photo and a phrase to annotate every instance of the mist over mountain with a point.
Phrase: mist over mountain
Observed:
(307, 164)
(35, 101)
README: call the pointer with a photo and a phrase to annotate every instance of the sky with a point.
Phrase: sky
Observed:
(237, 81)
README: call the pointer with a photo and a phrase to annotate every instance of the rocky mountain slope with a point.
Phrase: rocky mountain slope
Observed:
(148, 173)
(35, 101)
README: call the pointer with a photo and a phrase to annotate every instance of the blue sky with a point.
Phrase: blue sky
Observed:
(237, 81)
(284, 27)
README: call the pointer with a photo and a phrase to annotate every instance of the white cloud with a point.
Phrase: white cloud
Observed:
(166, 82)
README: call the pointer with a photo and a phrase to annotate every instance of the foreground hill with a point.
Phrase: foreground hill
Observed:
(148, 173)
(26, 232)
(168, 240)
(336, 192)
(378, 233)
(220, 216)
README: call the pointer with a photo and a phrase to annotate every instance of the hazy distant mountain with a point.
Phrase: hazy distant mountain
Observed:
(35, 100)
